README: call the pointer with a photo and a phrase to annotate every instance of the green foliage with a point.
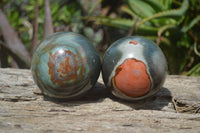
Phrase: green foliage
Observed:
(94, 37)
(21, 15)
(173, 24)
(169, 27)
(69, 15)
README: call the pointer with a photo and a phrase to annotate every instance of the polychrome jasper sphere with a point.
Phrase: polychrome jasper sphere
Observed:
(134, 68)
(65, 65)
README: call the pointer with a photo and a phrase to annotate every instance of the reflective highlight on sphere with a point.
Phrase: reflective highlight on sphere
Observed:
(134, 68)
(65, 65)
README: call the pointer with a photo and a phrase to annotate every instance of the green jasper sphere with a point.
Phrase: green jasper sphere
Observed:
(65, 65)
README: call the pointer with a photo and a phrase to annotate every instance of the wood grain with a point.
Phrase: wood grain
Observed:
(24, 109)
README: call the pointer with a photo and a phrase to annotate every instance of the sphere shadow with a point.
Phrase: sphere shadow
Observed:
(156, 102)
(97, 94)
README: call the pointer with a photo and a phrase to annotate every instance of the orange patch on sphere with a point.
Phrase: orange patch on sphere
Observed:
(133, 42)
(65, 71)
(132, 78)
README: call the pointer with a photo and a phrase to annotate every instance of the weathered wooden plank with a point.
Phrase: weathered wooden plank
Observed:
(24, 109)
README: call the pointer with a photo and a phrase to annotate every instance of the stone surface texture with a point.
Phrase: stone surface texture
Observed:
(175, 108)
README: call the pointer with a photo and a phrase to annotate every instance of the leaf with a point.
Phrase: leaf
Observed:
(195, 49)
(167, 4)
(54, 8)
(155, 4)
(40, 2)
(191, 24)
(164, 28)
(141, 8)
(15, 15)
(29, 7)
(129, 11)
(124, 23)
(174, 13)
(94, 6)
(194, 71)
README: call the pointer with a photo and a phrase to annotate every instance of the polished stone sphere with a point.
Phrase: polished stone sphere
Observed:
(65, 65)
(134, 68)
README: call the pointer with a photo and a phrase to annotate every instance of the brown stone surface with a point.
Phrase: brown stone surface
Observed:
(24, 109)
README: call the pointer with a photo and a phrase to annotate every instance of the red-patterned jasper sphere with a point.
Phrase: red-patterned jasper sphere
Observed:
(134, 68)
(65, 65)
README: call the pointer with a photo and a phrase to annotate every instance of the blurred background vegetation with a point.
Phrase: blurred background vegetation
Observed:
(174, 25)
